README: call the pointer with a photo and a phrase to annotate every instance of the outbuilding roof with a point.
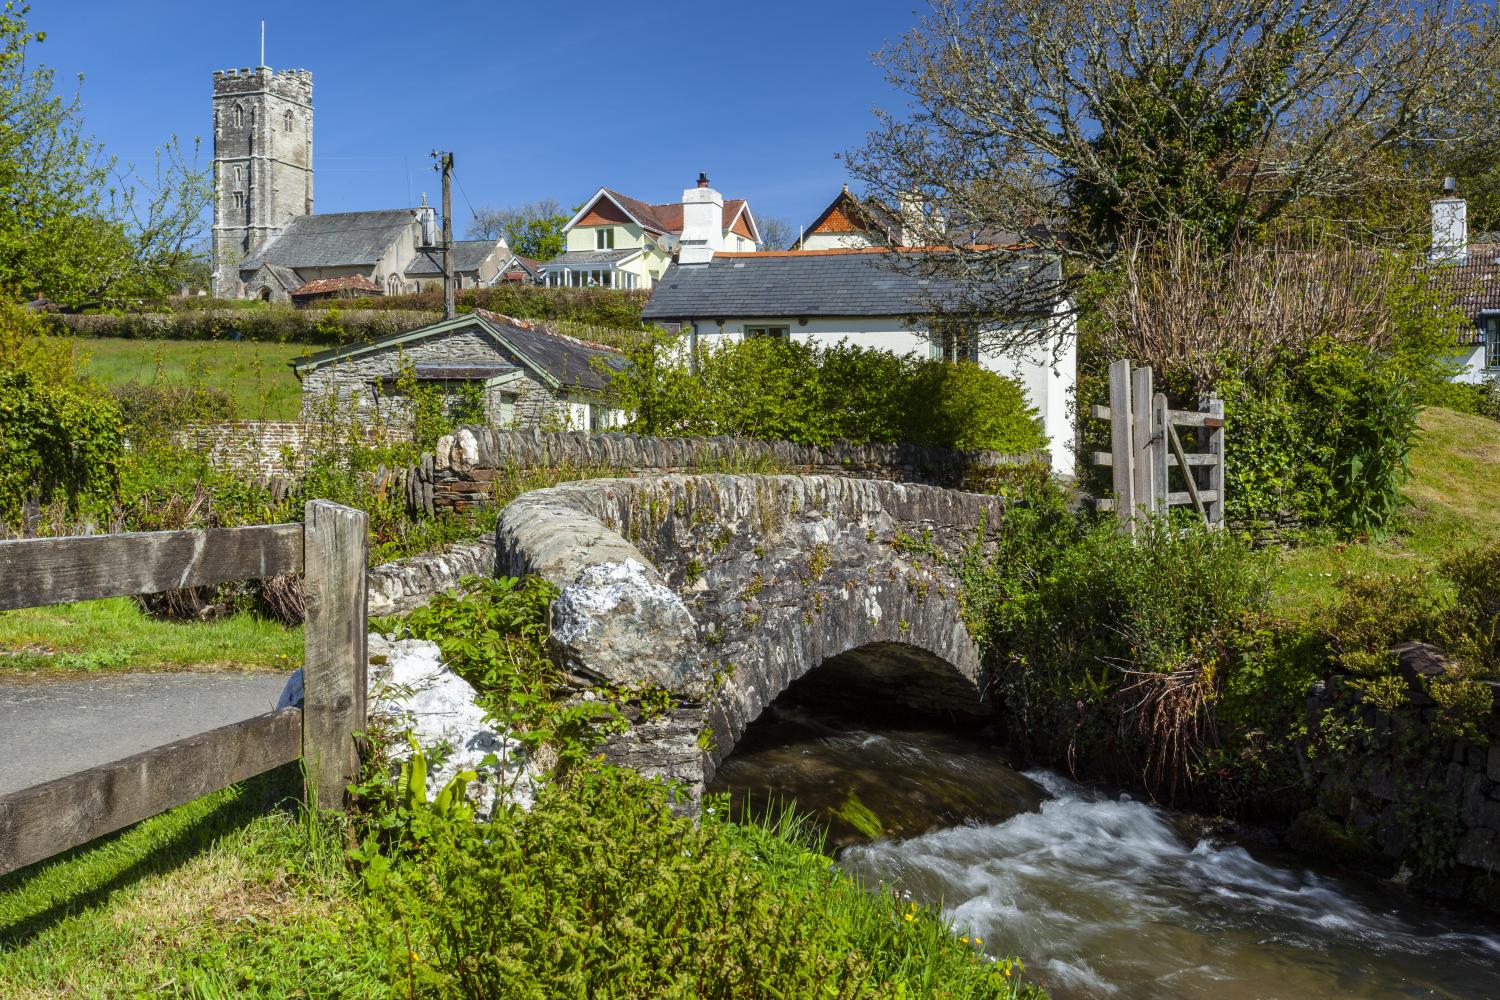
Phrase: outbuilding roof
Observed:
(865, 282)
(552, 358)
(342, 238)
(467, 256)
(583, 258)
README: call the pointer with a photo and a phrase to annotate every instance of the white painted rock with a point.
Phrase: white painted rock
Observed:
(413, 690)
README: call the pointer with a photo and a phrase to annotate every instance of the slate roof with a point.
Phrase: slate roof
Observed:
(467, 256)
(1476, 286)
(333, 240)
(583, 258)
(566, 361)
(830, 283)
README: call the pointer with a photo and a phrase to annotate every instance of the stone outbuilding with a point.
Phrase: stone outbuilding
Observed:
(529, 376)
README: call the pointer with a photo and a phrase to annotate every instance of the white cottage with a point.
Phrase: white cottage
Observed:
(877, 298)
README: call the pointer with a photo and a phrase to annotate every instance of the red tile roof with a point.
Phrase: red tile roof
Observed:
(668, 218)
(347, 283)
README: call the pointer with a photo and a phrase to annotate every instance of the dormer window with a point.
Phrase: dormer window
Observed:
(604, 239)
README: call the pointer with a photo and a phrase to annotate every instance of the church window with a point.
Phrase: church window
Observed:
(239, 175)
(239, 199)
(239, 116)
(286, 122)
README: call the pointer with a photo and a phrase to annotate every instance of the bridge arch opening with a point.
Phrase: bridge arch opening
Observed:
(890, 680)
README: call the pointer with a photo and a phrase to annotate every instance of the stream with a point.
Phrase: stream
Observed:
(1101, 895)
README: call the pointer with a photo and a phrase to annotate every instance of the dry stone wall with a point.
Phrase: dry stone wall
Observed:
(457, 474)
(277, 447)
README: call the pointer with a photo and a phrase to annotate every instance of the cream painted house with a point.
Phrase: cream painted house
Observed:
(619, 242)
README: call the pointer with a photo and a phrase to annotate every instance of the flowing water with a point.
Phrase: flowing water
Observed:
(1102, 895)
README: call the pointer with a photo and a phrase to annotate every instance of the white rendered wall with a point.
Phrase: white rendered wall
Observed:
(1473, 370)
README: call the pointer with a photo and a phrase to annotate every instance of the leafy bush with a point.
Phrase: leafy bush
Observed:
(152, 411)
(59, 430)
(793, 391)
(602, 891)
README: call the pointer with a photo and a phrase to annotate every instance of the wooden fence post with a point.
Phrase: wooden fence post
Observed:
(1119, 442)
(1142, 450)
(335, 543)
(1160, 428)
(1215, 408)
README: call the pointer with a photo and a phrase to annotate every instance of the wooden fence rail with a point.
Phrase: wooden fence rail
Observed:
(1145, 447)
(329, 548)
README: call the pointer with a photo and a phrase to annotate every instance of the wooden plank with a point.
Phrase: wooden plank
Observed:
(1159, 427)
(1193, 458)
(1101, 412)
(1216, 447)
(1187, 470)
(39, 571)
(1190, 418)
(1205, 496)
(1119, 440)
(334, 659)
(1143, 478)
(47, 819)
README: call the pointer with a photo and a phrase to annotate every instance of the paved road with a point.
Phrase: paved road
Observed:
(53, 728)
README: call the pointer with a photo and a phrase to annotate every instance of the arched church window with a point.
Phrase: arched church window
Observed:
(239, 175)
(286, 121)
(239, 116)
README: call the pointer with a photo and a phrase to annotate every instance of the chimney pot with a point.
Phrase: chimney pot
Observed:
(1450, 185)
(702, 178)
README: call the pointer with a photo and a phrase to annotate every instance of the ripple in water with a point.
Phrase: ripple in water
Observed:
(1102, 898)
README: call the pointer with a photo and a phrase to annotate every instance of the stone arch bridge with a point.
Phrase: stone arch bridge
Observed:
(726, 589)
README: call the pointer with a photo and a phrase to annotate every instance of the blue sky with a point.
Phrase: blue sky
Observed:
(535, 99)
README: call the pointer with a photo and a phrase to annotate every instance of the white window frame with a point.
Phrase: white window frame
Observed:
(774, 331)
(604, 238)
(1489, 329)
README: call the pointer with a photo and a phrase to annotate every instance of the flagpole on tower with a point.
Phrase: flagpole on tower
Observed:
(262, 42)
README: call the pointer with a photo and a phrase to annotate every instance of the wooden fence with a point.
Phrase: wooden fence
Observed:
(1145, 447)
(329, 549)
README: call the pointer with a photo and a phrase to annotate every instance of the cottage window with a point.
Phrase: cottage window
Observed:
(956, 342)
(774, 332)
(1489, 326)
(604, 239)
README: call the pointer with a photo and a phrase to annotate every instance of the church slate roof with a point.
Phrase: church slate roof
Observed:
(341, 238)
(829, 283)
(467, 256)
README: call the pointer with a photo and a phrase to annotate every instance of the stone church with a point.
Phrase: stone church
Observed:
(268, 244)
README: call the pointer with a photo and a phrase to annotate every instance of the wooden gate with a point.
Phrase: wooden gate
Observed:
(1145, 447)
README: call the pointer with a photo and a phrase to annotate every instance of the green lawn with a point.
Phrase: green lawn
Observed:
(255, 374)
(115, 634)
(1453, 502)
(233, 895)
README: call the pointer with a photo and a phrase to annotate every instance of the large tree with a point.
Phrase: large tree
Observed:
(1085, 126)
(75, 224)
(532, 230)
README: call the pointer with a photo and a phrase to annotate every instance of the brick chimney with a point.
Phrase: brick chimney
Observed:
(702, 223)
(1450, 226)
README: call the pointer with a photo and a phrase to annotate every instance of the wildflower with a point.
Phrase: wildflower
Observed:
(964, 940)
(908, 918)
(914, 906)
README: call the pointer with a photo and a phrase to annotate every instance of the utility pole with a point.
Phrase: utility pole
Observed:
(445, 164)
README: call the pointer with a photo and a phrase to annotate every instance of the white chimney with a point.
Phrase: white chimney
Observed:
(702, 223)
(1450, 226)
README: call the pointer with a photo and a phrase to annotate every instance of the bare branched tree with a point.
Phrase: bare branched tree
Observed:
(1081, 125)
(775, 233)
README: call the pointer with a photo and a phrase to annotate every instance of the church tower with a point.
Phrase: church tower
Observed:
(263, 172)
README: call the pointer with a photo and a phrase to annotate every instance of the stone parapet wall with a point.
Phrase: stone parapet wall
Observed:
(1407, 789)
(457, 474)
(277, 447)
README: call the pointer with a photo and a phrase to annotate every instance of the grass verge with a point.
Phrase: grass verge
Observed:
(115, 634)
(1452, 503)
